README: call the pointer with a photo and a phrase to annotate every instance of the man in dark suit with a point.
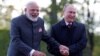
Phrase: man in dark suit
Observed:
(70, 33)
(26, 33)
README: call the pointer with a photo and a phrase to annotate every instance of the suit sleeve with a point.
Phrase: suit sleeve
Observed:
(52, 49)
(81, 44)
(16, 41)
(49, 40)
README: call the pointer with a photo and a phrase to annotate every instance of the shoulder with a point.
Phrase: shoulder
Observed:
(80, 25)
(18, 18)
(40, 20)
(57, 25)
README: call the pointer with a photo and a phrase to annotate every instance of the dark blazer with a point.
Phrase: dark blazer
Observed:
(26, 35)
(73, 37)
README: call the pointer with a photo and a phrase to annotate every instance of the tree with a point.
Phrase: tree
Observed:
(5, 15)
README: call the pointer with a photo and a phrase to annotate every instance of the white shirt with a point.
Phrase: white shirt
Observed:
(31, 52)
(68, 23)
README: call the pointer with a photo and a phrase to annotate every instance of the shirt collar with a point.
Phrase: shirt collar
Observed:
(68, 23)
(64, 23)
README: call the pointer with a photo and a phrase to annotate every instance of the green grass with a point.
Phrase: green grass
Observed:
(44, 48)
(97, 46)
(4, 40)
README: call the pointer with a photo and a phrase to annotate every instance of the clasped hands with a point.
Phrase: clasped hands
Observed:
(63, 50)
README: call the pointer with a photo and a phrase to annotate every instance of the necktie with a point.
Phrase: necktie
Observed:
(69, 25)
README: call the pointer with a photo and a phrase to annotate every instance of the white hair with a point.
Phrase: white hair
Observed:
(30, 3)
(66, 5)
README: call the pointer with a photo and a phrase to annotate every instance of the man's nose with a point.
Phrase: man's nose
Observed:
(73, 14)
(35, 11)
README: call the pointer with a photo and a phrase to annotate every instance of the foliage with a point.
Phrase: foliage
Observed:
(4, 40)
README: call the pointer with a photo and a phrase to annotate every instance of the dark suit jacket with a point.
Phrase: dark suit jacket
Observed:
(74, 38)
(26, 35)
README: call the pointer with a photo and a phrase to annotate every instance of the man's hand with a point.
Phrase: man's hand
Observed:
(38, 53)
(64, 50)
